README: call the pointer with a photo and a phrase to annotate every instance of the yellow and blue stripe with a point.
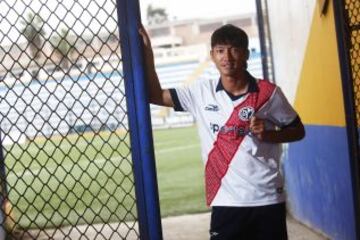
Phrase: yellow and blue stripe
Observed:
(317, 169)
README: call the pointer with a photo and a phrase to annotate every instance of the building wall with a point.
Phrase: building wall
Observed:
(289, 24)
(172, 33)
(198, 31)
(317, 169)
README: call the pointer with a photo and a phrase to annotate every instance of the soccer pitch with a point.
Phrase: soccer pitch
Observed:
(56, 190)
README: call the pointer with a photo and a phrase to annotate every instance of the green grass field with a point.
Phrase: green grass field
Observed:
(180, 171)
(88, 178)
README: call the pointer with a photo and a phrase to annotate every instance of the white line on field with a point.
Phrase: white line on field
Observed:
(173, 149)
(98, 161)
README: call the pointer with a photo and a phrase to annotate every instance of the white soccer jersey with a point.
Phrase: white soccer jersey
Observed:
(252, 177)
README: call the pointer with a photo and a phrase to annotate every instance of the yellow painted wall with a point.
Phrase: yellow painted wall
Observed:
(319, 97)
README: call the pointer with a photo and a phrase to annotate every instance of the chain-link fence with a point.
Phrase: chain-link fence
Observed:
(67, 170)
(353, 20)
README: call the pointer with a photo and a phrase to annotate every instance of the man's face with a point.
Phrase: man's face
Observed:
(229, 60)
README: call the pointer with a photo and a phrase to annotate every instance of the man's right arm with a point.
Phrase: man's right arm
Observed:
(157, 95)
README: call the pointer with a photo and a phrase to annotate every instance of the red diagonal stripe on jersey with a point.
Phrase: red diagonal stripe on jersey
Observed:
(227, 143)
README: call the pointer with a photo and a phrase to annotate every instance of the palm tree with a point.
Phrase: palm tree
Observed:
(63, 47)
(33, 32)
(156, 15)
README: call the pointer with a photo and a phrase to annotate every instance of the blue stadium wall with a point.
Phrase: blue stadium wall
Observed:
(317, 169)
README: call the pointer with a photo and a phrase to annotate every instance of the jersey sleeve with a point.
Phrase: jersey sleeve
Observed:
(184, 98)
(278, 110)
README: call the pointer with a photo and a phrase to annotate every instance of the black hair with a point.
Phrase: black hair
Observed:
(230, 34)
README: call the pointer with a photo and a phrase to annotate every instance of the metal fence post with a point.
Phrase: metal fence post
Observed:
(3, 193)
(265, 40)
(343, 33)
(264, 55)
(146, 189)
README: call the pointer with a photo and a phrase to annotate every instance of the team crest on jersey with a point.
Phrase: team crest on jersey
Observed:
(246, 113)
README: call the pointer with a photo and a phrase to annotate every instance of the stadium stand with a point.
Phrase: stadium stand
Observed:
(173, 73)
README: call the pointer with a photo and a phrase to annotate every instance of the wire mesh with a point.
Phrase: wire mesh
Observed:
(353, 20)
(67, 171)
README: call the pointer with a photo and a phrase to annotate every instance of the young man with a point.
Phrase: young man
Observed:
(241, 121)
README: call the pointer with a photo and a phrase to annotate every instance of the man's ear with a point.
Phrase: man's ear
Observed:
(247, 54)
(211, 54)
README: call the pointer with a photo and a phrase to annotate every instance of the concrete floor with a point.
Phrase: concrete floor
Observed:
(187, 227)
(196, 227)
